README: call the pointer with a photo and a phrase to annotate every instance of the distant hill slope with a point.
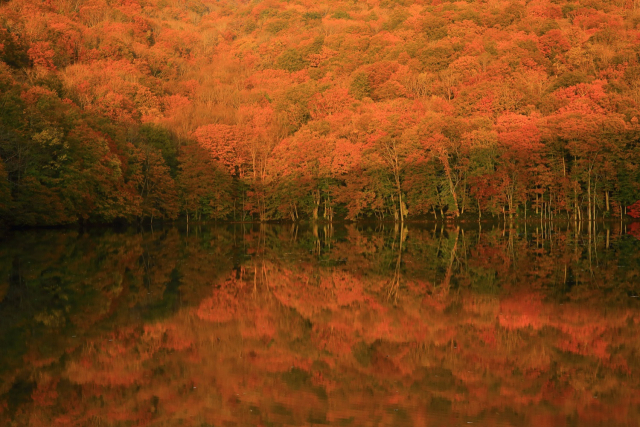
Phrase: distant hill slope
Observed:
(287, 110)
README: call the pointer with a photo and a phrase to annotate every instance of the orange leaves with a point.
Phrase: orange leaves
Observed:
(222, 306)
(316, 59)
(544, 10)
(35, 93)
(347, 156)
(141, 25)
(337, 339)
(261, 325)
(92, 12)
(348, 289)
(553, 42)
(521, 311)
(584, 97)
(175, 104)
(495, 82)
(519, 132)
(41, 55)
(316, 331)
(438, 144)
(384, 79)
(592, 19)
(257, 118)
(224, 144)
(467, 66)
(45, 394)
(330, 102)
(357, 195)
(586, 113)
(270, 81)
(113, 88)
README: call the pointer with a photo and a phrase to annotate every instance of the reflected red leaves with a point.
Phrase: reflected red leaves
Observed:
(634, 229)
(302, 329)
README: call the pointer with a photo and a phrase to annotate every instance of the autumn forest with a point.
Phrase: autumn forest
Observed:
(142, 110)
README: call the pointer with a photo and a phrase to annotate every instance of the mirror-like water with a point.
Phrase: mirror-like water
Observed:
(245, 325)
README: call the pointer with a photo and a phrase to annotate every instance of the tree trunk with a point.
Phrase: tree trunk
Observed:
(595, 193)
(589, 198)
(316, 201)
(402, 208)
(447, 278)
(455, 198)
(464, 196)
(575, 204)
(452, 188)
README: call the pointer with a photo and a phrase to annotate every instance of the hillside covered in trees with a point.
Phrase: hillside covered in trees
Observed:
(265, 110)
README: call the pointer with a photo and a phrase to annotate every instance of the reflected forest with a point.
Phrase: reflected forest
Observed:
(369, 324)
(219, 213)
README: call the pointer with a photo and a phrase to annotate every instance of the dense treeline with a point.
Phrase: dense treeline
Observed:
(134, 109)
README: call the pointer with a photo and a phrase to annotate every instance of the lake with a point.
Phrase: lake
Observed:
(292, 325)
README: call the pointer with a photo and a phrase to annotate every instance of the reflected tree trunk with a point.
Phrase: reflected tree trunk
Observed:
(446, 283)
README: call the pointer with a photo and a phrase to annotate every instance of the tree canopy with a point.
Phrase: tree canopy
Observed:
(317, 109)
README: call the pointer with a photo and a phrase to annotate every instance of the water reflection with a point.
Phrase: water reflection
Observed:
(327, 324)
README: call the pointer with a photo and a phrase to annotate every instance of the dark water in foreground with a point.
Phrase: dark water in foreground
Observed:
(343, 325)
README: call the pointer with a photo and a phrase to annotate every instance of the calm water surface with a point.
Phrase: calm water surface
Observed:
(248, 325)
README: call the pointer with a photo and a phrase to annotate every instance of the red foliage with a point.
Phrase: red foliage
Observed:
(480, 106)
(634, 210)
